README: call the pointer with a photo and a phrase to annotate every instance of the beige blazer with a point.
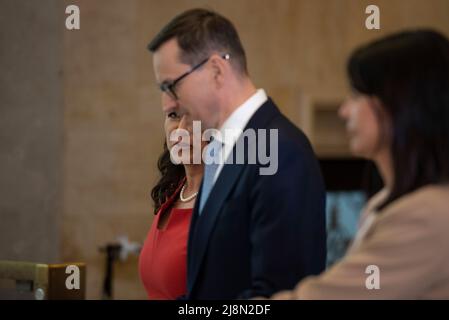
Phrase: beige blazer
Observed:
(409, 243)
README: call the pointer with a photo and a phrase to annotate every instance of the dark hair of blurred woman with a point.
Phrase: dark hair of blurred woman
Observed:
(409, 73)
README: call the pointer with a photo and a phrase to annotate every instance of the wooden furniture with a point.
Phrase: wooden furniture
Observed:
(27, 280)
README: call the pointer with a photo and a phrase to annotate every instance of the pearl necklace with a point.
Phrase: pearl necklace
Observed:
(181, 195)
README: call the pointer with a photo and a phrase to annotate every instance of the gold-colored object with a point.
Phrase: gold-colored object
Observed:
(46, 281)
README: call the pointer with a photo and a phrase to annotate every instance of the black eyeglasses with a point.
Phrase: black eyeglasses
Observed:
(169, 86)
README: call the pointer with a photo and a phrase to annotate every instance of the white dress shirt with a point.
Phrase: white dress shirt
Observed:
(236, 123)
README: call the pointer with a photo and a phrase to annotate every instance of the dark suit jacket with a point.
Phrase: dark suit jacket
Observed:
(259, 234)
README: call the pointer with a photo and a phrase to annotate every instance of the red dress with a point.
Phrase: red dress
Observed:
(163, 259)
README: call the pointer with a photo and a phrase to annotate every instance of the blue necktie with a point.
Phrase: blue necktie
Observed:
(213, 150)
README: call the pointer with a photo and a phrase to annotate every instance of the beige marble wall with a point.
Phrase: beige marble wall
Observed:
(112, 123)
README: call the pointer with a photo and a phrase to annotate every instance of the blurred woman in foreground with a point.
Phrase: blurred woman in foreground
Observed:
(397, 116)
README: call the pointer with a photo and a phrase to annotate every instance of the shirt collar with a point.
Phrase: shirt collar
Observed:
(240, 117)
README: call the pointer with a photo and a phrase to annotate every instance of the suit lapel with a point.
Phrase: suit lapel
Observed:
(202, 226)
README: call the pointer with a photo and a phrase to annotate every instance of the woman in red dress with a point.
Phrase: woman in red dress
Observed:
(163, 259)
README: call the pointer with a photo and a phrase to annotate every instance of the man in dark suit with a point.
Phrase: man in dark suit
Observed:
(257, 227)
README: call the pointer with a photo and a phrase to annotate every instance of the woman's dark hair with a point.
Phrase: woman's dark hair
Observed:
(409, 73)
(171, 176)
